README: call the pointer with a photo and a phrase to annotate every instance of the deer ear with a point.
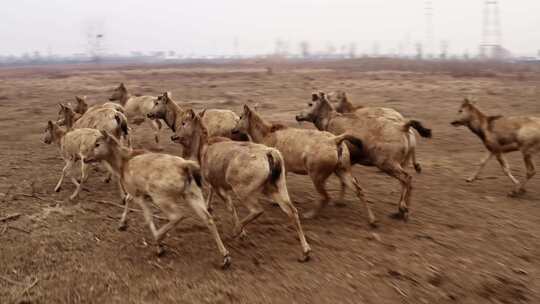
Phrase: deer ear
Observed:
(191, 114)
(122, 86)
(314, 97)
(50, 124)
(201, 113)
(168, 94)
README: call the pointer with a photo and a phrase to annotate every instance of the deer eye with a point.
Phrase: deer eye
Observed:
(97, 145)
(310, 104)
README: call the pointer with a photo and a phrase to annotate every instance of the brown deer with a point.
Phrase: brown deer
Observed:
(247, 170)
(82, 106)
(386, 143)
(501, 135)
(343, 105)
(165, 179)
(218, 122)
(308, 152)
(136, 108)
(74, 145)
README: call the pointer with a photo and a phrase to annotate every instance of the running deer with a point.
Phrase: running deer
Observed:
(247, 170)
(343, 105)
(501, 135)
(308, 152)
(74, 145)
(136, 108)
(106, 119)
(386, 144)
(218, 122)
(82, 106)
(168, 181)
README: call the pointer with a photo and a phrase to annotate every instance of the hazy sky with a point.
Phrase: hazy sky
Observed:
(211, 26)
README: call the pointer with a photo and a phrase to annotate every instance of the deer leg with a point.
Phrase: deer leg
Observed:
(168, 206)
(209, 199)
(531, 171)
(281, 196)
(483, 163)
(412, 152)
(319, 181)
(348, 179)
(156, 126)
(406, 189)
(342, 192)
(238, 230)
(123, 221)
(506, 169)
(65, 170)
(84, 176)
(199, 207)
(255, 210)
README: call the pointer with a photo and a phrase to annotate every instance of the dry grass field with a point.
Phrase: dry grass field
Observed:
(464, 243)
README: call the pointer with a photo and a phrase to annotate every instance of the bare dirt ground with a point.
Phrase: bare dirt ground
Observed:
(464, 243)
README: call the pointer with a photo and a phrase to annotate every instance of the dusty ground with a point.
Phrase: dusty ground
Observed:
(465, 243)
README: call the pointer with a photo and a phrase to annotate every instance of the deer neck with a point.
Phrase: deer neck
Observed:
(118, 159)
(58, 135)
(171, 114)
(69, 119)
(347, 107)
(124, 98)
(258, 128)
(323, 118)
(478, 124)
(198, 146)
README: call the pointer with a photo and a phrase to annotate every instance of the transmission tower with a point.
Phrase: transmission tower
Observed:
(491, 31)
(428, 11)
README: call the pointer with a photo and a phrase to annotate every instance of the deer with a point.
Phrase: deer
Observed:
(317, 154)
(136, 108)
(218, 122)
(501, 135)
(81, 106)
(386, 143)
(343, 105)
(74, 145)
(245, 169)
(107, 119)
(167, 180)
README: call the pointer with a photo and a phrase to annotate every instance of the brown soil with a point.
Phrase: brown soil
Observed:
(464, 243)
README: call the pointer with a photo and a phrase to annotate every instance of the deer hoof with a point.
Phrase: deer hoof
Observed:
(340, 204)
(310, 214)
(57, 189)
(160, 250)
(470, 179)
(123, 226)
(516, 193)
(418, 168)
(374, 224)
(305, 257)
(226, 262)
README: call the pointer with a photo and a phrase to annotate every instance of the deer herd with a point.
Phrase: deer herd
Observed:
(240, 158)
